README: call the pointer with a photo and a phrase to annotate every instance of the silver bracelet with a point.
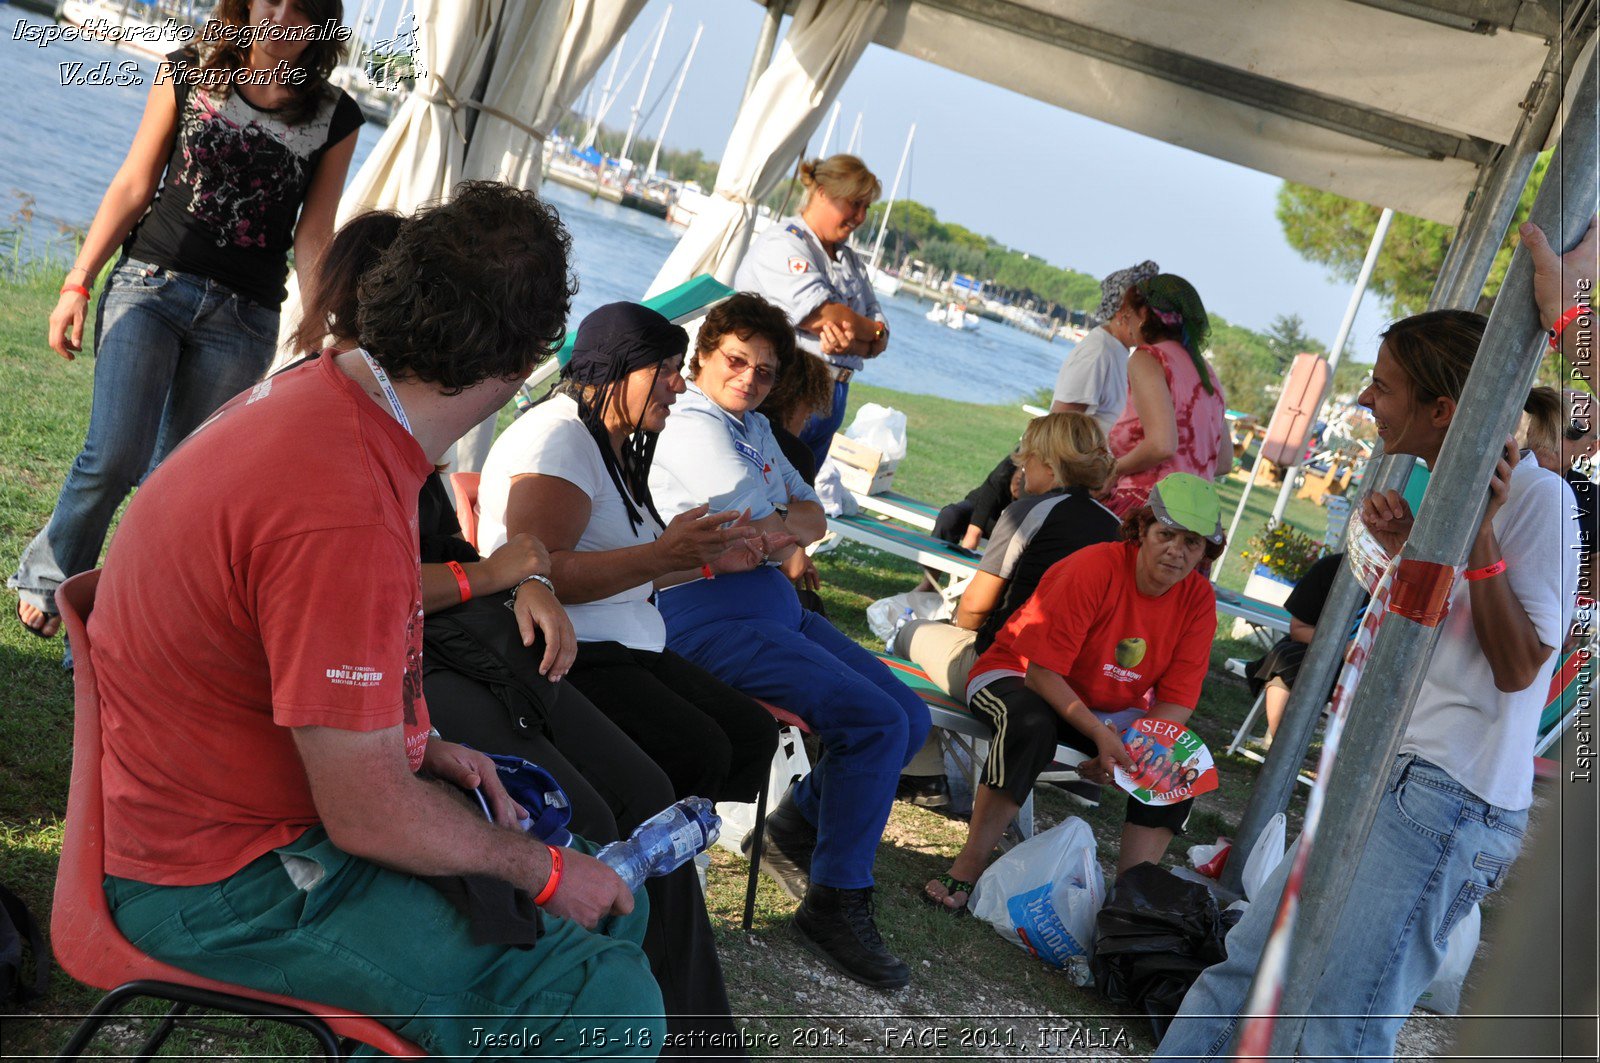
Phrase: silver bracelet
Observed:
(533, 578)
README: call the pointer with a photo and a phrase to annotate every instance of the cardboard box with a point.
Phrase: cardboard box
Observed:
(861, 468)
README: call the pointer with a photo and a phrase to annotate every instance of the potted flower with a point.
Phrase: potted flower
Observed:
(1282, 555)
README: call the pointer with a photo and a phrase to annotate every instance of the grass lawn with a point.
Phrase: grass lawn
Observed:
(44, 405)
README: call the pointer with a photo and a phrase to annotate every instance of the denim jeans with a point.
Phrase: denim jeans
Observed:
(349, 933)
(1435, 850)
(870, 723)
(169, 349)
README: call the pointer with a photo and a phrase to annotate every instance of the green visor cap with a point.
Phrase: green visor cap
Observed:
(1183, 500)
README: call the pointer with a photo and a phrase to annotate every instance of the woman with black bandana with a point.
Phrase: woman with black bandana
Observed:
(573, 472)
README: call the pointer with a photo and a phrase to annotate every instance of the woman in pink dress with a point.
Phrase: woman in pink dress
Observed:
(1174, 420)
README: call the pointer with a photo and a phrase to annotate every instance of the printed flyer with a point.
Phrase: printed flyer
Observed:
(1170, 763)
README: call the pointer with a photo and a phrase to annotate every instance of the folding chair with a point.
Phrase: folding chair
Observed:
(790, 742)
(87, 943)
(465, 487)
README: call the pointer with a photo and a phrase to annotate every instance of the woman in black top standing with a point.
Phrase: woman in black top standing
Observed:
(240, 157)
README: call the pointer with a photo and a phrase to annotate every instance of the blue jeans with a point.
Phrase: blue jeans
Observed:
(818, 431)
(1435, 850)
(870, 723)
(349, 933)
(169, 349)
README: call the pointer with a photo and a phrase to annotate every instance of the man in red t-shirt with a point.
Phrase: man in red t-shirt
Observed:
(1108, 626)
(258, 642)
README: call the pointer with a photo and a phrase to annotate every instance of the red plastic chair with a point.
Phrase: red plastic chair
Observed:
(87, 943)
(465, 486)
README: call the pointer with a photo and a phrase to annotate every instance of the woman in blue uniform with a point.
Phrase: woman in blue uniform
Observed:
(805, 266)
(748, 630)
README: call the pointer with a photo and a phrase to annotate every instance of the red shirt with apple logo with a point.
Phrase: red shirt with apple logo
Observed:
(1089, 622)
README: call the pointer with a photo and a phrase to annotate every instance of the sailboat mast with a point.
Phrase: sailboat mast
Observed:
(894, 189)
(655, 153)
(638, 104)
(602, 102)
(827, 134)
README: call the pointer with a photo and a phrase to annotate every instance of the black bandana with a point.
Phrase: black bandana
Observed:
(612, 342)
(619, 338)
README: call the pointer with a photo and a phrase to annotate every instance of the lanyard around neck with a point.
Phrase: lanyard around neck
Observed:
(388, 390)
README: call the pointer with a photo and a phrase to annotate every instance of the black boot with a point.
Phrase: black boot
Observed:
(924, 791)
(786, 849)
(837, 925)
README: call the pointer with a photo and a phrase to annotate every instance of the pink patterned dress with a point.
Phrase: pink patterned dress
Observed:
(1201, 424)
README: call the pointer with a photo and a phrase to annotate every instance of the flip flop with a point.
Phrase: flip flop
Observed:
(952, 886)
(37, 632)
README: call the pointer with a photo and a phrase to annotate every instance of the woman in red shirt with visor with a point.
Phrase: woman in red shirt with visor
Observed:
(1109, 625)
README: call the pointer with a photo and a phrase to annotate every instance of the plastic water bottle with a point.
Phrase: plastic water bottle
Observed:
(664, 842)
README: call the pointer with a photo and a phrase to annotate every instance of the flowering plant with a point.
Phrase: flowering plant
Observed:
(1287, 552)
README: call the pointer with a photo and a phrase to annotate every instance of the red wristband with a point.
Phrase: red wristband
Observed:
(461, 579)
(554, 880)
(1486, 571)
(705, 571)
(81, 290)
(1572, 314)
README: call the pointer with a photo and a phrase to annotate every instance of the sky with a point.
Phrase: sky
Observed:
(1079, 193)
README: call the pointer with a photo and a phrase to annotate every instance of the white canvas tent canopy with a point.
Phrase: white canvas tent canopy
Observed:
(1399, 103)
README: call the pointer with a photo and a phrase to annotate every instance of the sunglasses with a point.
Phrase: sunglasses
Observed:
(1577, 430)
(764, 374)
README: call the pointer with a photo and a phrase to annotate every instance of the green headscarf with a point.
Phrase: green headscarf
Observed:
(1175, 302)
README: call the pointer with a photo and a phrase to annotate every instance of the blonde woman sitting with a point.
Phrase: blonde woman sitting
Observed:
(1064, 462)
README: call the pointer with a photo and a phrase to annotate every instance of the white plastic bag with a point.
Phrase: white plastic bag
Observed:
(1045, 893)
(1443, 995)
(886, 615)
(881, 428)
(1266, 856)
(836, 499)
(789, 765)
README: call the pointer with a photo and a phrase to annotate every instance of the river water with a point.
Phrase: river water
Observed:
(60, 144)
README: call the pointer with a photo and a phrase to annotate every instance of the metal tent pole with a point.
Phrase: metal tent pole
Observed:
(1510, 353)
(1508, 175)
(1468, 255)
(1339, 341)
(1238, 511)
(765, 43)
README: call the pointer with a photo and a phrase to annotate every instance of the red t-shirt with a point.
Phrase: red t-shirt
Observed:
(265, 577)
(1089, 622)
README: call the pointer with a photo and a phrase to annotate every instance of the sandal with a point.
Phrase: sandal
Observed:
(952, 887)
(40, 632)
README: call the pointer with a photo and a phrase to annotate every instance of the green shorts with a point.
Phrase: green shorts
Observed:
(386, 944)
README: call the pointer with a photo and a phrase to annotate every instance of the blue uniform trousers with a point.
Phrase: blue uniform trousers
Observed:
(750, 632)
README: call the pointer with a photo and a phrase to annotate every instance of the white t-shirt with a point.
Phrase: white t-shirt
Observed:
(550, 440)
(1482, 737)
(1095, 373)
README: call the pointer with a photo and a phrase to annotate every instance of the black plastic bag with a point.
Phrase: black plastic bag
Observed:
(1153, 937)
